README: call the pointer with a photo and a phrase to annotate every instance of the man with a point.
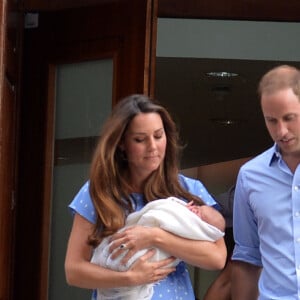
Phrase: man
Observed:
(266, 219)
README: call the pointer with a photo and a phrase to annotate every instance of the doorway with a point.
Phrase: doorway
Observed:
(74, 72)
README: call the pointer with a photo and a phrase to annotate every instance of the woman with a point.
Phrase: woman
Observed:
(135, 162)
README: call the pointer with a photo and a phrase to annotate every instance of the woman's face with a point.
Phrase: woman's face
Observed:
(144, 144)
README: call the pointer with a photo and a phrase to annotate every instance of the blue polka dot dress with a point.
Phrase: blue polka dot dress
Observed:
(177, 285)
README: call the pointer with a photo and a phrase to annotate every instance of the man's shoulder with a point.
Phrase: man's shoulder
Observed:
(262, 159)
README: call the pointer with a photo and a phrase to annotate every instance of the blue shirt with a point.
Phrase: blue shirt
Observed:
(266, 223)
(176, 285)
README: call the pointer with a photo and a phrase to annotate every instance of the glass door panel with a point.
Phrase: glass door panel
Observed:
(83, 101)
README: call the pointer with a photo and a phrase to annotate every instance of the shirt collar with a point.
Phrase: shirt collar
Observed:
(275, 154)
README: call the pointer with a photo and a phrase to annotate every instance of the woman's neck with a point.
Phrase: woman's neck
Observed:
(136, 184)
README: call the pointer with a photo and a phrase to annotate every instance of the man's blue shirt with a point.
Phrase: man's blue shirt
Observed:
(266, 223)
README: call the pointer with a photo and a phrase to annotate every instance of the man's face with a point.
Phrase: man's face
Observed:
(281, 111)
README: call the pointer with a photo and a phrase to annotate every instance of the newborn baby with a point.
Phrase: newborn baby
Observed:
(171, 214)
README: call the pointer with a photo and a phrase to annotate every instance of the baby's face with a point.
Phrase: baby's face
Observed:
(198, 210)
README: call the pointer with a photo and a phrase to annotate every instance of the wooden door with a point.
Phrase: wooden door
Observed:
(10, 66)
(122, 31)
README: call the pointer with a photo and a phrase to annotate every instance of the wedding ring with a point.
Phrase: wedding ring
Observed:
(122, 246)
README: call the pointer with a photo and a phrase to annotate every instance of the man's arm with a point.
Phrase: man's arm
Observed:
(244, 280)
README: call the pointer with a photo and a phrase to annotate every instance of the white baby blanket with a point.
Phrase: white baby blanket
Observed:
(169, 214)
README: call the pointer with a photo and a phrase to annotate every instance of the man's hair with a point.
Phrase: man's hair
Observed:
(279, 78)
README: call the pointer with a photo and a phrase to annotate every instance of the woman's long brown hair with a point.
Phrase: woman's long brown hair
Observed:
(109, 188)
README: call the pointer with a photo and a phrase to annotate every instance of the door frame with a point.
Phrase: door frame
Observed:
(104, 31)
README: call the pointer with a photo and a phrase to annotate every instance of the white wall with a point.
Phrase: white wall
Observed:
(228, 39)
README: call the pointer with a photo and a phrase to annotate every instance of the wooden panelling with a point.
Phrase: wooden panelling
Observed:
(273, 10)
(10, 37)
(50, 5)
(269, 10)
(7, 189)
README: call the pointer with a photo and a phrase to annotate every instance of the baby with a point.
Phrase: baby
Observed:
(171, 214)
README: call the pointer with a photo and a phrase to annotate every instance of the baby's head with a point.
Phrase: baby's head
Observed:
(208, 214)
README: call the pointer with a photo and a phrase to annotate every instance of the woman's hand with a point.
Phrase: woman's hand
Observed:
(144, 271)
(132, 239)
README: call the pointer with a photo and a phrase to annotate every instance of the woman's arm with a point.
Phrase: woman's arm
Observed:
(81, 273)
(203, 254)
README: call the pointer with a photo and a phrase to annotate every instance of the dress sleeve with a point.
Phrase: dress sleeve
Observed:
(197, 188)
(83, 204)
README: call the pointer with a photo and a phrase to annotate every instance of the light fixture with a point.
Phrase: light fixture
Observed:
(226, 122)
(222, 74)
